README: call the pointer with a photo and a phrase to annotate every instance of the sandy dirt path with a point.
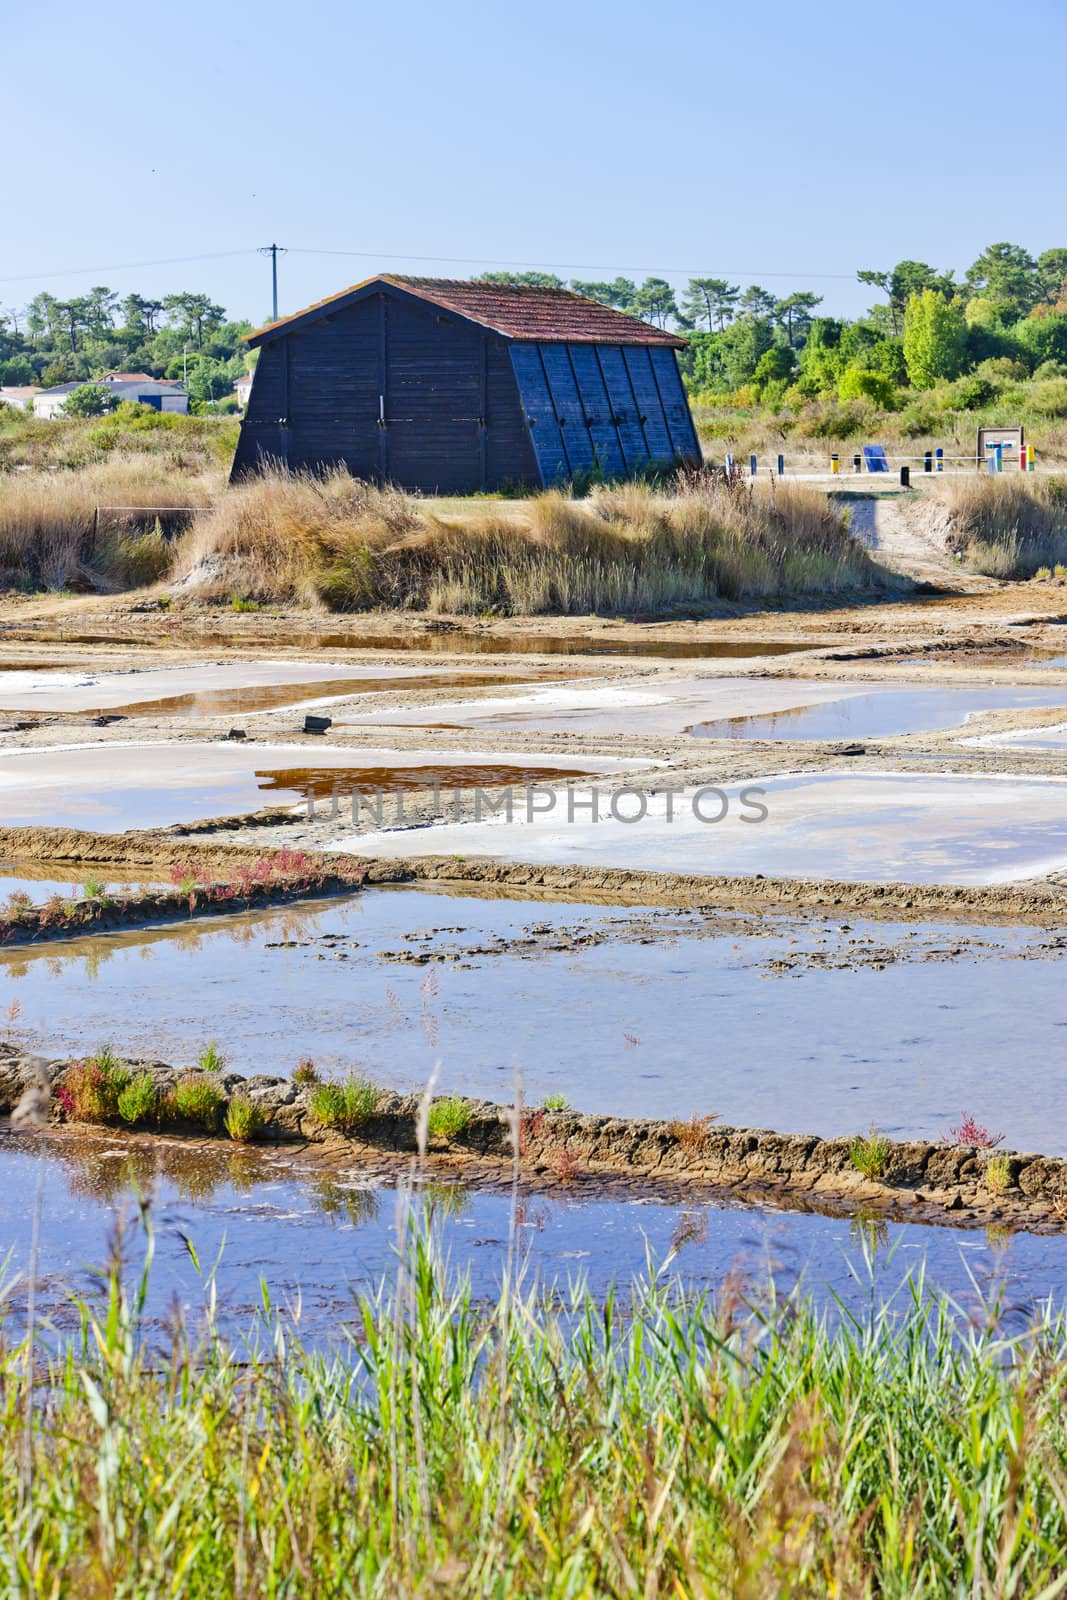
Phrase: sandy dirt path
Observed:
(894, 530)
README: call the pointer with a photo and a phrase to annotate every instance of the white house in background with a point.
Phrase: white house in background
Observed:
(165, 394)
(243, 388)
(19, 395)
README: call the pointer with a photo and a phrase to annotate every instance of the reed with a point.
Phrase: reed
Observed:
(658, 1443)
(629, 548)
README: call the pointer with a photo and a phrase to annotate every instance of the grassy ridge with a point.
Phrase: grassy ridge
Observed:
(1005, 526)
(337, 542)
(542, 1446)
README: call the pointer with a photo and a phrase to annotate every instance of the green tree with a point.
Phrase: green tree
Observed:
(73, 318)
(620, 293)
(192, 314)
(861, 383)
(823, 359)
(757, 302)
(655, 302)
(1052, 275)
(90, 400)
(935, 338)
(1044, 338)
(775, 365)
(709, 301)
(904, 280)
(101, 304)
(1008, 273)
(794, 315)
(529, 280)
(741, 345)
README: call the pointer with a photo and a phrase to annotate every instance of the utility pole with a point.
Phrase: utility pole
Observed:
(273, 250)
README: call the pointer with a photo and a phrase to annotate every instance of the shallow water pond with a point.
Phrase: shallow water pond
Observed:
(718, 708)
(567, 645)
(318, 1239)
(116, 786)
(238, 688)
(878, 827)
(818, 1026)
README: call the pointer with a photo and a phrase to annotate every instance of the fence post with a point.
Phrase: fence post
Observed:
(857, 463)
(1030, 457)
(752, 466)
(940, 455)
(928, 461)
(781, 465)
(729, 464)
(905, 477)
(998, 457)
(835, 463)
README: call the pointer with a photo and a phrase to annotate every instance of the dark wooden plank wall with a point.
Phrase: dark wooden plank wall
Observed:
(675, 404)
(463, 409)
(453, 419)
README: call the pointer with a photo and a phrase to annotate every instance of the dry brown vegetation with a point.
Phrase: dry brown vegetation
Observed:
(337, 542)
(50, 536)
(1007, 526)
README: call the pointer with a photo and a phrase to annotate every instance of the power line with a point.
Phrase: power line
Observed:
(575, 266)
(465, 261)
(121, 266)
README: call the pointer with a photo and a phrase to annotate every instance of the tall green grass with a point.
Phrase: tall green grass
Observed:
(656, 1444)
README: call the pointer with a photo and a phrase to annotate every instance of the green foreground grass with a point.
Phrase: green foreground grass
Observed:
(552, 1446)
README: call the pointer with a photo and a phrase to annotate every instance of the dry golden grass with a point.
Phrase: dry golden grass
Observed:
(337, 542)
(1006, 526)
(47, 522)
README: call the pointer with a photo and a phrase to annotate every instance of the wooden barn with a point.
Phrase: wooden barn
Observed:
(451, 387)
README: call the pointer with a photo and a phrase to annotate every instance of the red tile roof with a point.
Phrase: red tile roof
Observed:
(519, 311)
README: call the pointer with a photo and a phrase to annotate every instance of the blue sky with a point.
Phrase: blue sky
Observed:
(733, 141)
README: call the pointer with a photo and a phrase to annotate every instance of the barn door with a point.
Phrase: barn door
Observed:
(432, 401)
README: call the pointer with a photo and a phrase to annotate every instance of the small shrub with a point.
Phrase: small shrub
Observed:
(448, 1118)
(242, 603)
(305, 1072)
(972, 1133)
(692, 1136)
(869, 1153)
(198, 1098)
(211, 1058)
(92, 889)
(244, 1119)
(565, 1162)
(95, 1086)
(343, 1105)
(555, 1102)
(998, 1174)
(139, 1100)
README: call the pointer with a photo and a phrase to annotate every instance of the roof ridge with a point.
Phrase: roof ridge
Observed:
(517, 311)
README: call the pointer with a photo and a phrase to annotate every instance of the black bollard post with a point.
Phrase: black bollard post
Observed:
(905, 477)
(857, 463)
(928, 461)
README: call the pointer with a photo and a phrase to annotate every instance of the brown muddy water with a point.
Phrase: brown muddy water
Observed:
(320, 1238)
(448, 643)
(117, 786)
(803, 1025)
(248, 701)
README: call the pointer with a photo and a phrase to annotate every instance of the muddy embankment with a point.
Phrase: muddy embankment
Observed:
(565, 1149)
(162, 850)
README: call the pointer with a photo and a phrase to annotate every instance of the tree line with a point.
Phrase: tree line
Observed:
(185, 335)
(1006, 318)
